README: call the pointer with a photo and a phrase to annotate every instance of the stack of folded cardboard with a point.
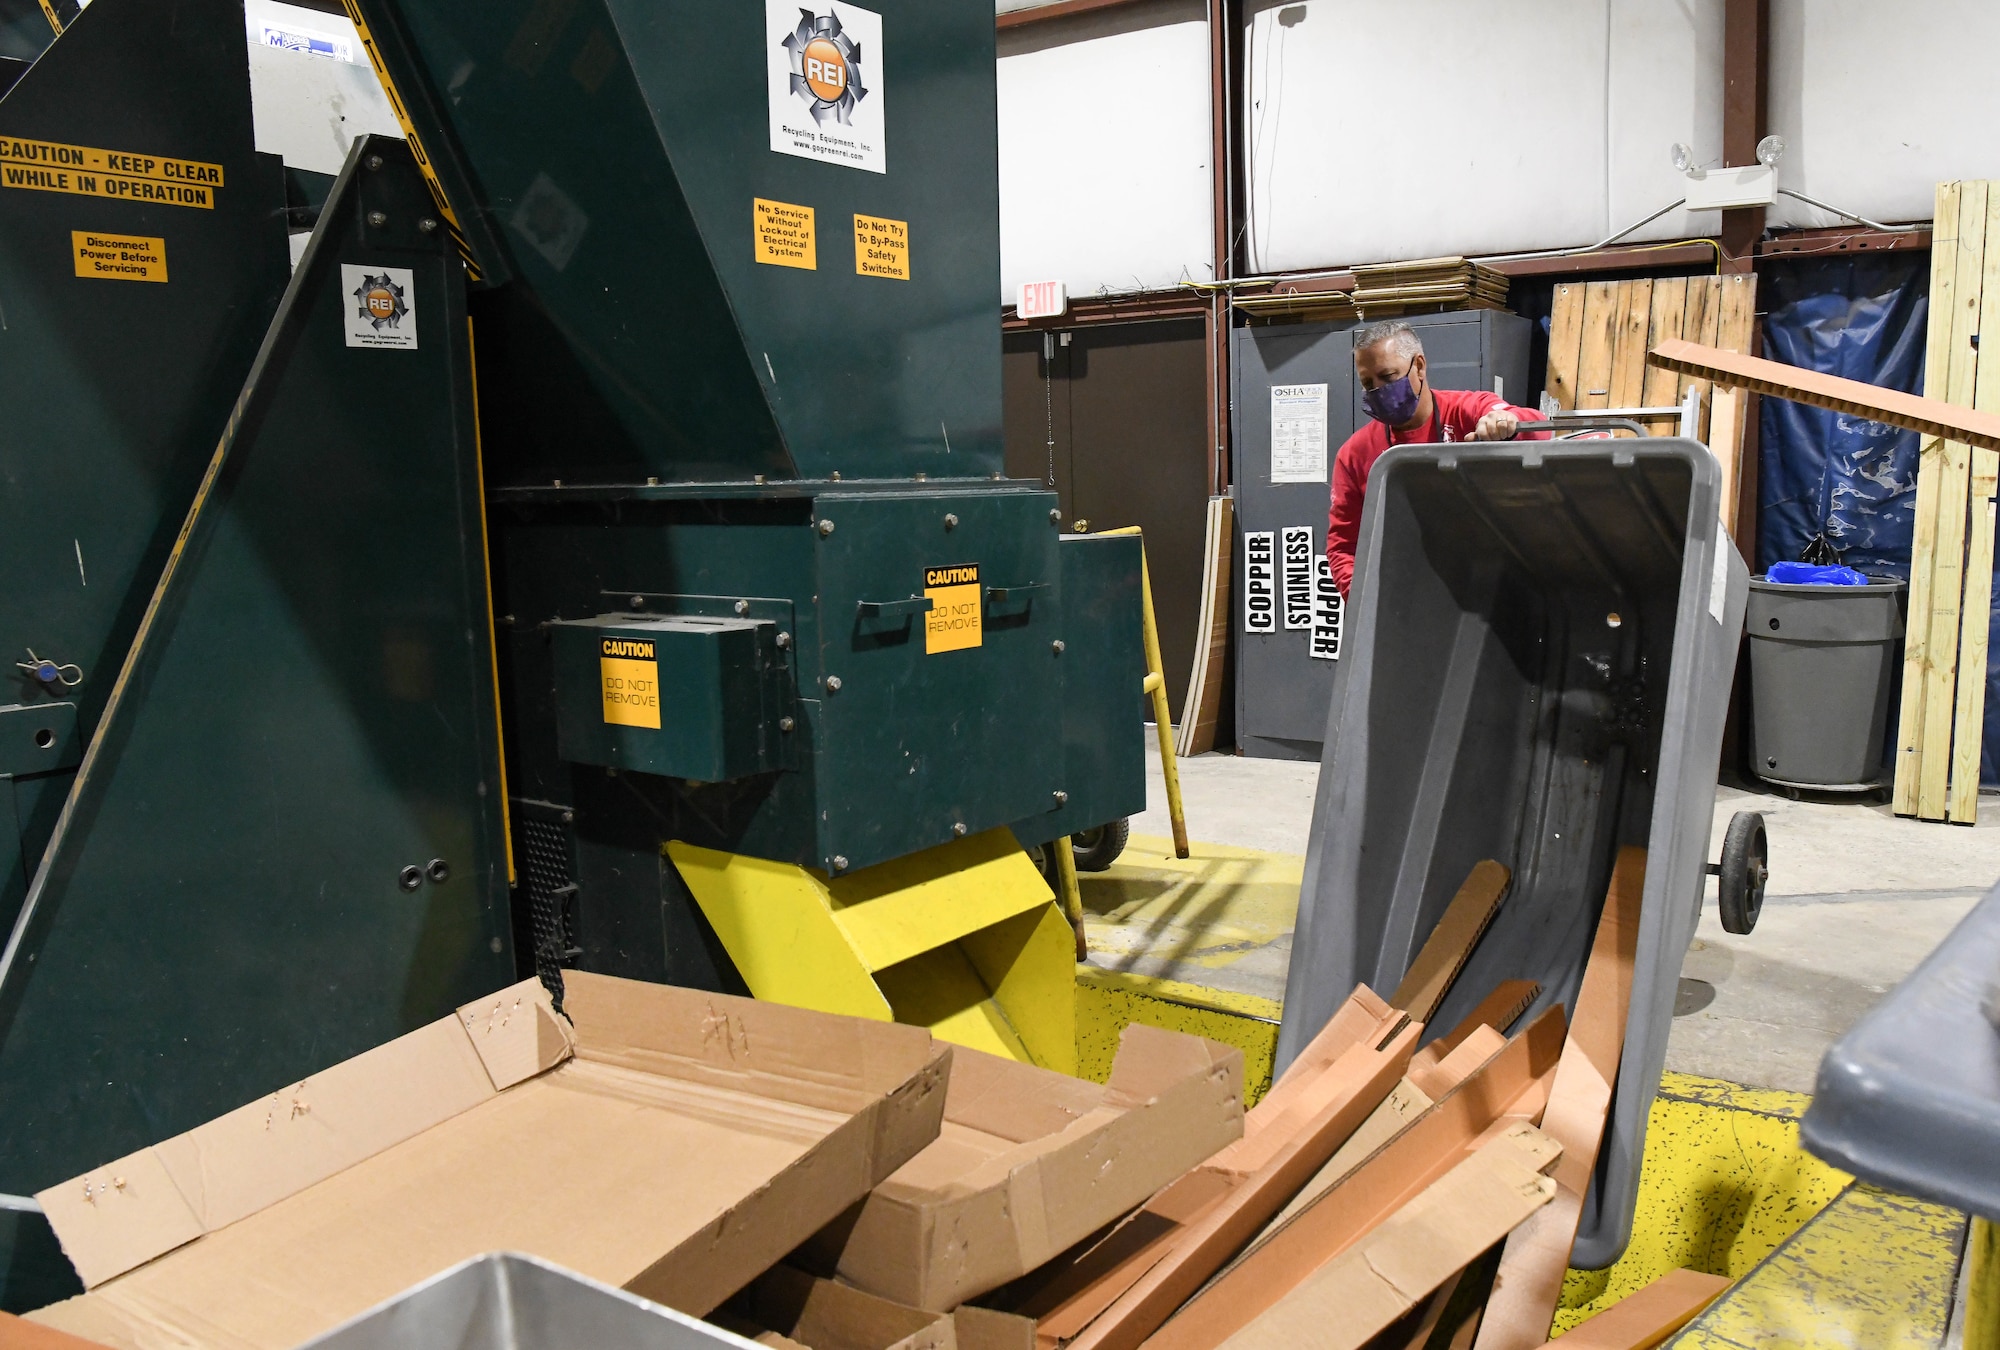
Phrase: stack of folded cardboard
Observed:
(1428, 284)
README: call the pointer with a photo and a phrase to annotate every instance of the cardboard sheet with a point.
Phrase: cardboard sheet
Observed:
(1031, 1162)
(1445, 952)
(673, 1142)
(1425, 1243)
(1523, 1303)
(1504, 1092)
(1646, 1317)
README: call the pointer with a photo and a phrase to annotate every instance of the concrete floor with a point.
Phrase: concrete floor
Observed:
(1856, 899)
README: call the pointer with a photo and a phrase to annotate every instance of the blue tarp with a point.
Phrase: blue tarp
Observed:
(1825, 474)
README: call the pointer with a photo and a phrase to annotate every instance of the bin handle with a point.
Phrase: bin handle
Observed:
(1584, 424)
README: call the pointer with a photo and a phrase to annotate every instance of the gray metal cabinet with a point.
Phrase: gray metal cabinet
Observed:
(1282, 691)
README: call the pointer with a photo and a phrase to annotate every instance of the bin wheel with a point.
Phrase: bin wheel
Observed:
(1044, 859)
(1746, 866)
(1098, 848)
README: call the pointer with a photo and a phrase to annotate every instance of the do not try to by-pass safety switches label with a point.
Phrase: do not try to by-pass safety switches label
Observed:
(954, 622)
(55, 166)
(882, 247)
(784, 234)
(119, 257)
(631, 678)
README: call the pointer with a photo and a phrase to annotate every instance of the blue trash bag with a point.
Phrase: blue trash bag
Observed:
(1805, 574)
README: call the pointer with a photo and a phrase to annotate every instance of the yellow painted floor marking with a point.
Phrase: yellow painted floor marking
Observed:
(1178, 917)
(1873, 1270)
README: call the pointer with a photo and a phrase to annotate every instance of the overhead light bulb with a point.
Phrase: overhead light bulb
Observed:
(1770, 150)
(1683, 157)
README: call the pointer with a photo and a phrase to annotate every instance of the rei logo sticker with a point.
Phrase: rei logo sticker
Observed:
(381, 306)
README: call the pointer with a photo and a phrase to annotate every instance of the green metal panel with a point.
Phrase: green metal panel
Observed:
(617, 147)
(1103, 706)
(307, 711)
(681, 695)
(113, 392)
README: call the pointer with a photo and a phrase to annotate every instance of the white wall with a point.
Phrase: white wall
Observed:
(309, 108)
(1879, 103)
(1104, 150)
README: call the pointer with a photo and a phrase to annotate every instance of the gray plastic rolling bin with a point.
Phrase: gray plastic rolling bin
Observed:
(1909, 1098)
(1543, 635)
(504, 1301)
(1822, 659)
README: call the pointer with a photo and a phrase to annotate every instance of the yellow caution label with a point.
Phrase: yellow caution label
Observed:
(55, 20)
(954, 622)
(119, 257)
(631, 678)
(57, 166)
(784, 234)
(882, 247)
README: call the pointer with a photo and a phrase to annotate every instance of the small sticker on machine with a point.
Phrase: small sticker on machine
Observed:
(119, 257)
(631, 678)
(955, 621)
(381, 306)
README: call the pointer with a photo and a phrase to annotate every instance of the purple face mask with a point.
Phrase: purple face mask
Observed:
(1392, 404)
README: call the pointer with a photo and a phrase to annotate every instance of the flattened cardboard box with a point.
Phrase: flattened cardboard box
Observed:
(1030, 1162)
(671, 1142)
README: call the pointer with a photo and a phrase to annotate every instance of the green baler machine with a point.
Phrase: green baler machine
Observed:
(668, 343)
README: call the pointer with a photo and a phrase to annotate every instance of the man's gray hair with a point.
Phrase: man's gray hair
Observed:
(1395, 331)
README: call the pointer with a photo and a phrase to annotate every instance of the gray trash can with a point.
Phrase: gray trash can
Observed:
(1822, 659)
(1541, 641)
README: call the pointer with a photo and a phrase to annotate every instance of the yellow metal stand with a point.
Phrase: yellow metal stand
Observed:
(963, 939)
(1072, 894)
(1156, 688)
(1982, 1286)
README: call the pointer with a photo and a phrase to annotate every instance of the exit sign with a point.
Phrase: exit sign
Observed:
(1042, 299)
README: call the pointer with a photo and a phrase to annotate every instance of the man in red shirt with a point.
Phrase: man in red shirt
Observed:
(1403, 409)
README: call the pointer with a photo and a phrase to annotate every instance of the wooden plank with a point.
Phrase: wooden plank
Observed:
(1975, 611)
(1628, 346)
(1954, 490)
(1507, 1086)
(1536, 1258)
(1450, 944)
(1923, 541)
(1199, 712)
(1725, 442)
(1500, 1010)
(1704, 312)
(1646, 1317)
(1565, 343)
(1736, 319)
(1888, 406)
(1662, 388)
(1600, 321)
(1366, 1076)
(1069, 1292)
(1363, 1291)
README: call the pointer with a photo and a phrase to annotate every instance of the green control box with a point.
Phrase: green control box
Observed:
(683, 696)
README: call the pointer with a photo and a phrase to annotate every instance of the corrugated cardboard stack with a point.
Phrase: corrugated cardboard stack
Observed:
(1383, 290)
(807, 1180)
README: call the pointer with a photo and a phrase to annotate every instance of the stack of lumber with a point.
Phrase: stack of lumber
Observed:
(1600, 332)
(1375, 1176)
(1382, 290)
(1951, 563)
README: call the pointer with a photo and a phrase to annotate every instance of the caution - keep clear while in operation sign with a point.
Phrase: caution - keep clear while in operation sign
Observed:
(631, 676)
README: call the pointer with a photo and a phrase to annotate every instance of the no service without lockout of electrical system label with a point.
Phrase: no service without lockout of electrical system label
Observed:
(826, 82)
(56, 166)
(783, 234)
(119, 257)
(631, 676)
(1260, 583)
(955, 621)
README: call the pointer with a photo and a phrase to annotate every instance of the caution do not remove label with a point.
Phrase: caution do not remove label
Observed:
(956, 618)
(784, 234)
(631, 679)
(119, 257)
(882, 247)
